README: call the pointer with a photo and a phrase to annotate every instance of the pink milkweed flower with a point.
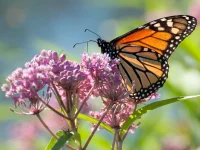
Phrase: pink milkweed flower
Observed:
(25, 85)
(104, 74)
(116, 116)
(106, 77)
(99, 66)
(68, 76)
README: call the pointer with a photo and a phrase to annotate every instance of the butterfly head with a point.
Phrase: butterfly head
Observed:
(105, 46)
(101, 43)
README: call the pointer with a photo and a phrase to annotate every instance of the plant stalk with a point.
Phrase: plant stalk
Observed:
(119, 141)
(114, 141)
(60, 102)
(54, 110)
(96, 127)
(46, 127)
(83, 103)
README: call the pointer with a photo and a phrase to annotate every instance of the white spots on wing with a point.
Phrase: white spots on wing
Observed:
(177, 37)
(147, 27)
(161, 29)
(157, 25)
(140, 27)
(169, 24)
(187, 18)
(153, 22)
(163, 19)
(171, 45)
(174, 30)
(167, 56)
(145, 49)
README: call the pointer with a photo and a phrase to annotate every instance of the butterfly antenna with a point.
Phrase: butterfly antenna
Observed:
(85, 42)
(92, 32)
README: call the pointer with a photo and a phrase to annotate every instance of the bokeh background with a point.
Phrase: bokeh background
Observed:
(27, 26)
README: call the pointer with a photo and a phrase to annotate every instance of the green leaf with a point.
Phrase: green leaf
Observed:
(55, 144)
(62, 140)
(77, 139)
(148, 108)
(95, 121)
(53, 141)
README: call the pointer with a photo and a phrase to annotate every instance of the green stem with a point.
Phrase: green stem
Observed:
(68, 103)
(59, 99)
(54, 110)
(134, 110)
(46, 127)
(96, 127)
(83, 103)
(70, 112)
(119, 141)
(44, 124)
(120, 145)
(114, 141)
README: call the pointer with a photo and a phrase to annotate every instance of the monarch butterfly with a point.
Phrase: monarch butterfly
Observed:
(144, 52)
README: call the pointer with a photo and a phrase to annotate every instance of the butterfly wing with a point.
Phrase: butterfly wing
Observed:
(146, 68)
(144, 51)
(162, 35)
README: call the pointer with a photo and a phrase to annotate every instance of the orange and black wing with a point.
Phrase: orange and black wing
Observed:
(143, 52)
(145, 68)
(162, 35)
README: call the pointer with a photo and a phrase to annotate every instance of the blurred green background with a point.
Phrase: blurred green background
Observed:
(27, 26)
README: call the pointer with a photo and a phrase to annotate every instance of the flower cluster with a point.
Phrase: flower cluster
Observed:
(116, 116)
(108, 84)
(100, 66)
(68, 77)
(96, 75)
(41, 72)
(105, 75)
(26, 83)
